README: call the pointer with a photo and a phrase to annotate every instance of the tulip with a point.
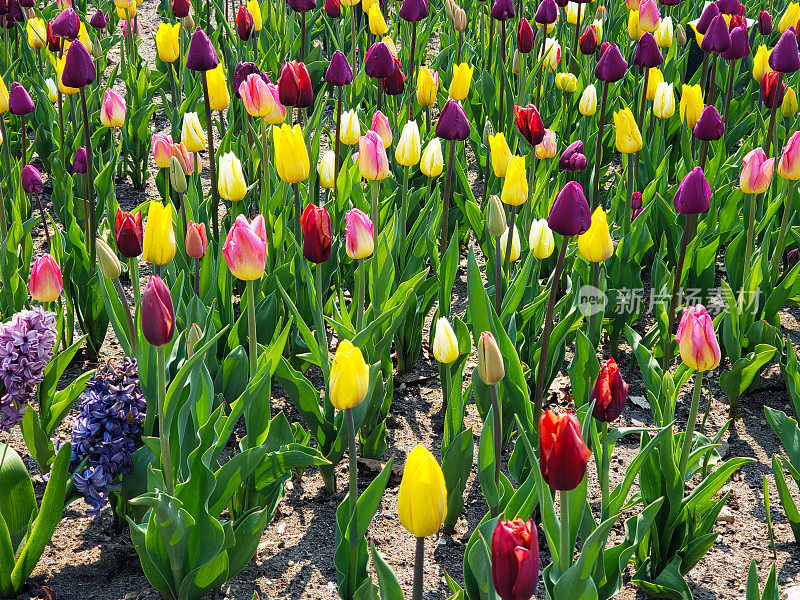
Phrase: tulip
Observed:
(177, 176)
(588, 41)
(515, 559)
(790, 17)
(628, 138)
(196, 240)
(245, 248)
(218, 96)
(740, 45)
(445, 342)
(201, 55)
(379, 61)
(432, 162)
(427, 86)
(80, 161)
(693, 195)
(664, 101)
(524, 36)
(495, 217)
(691, 105)
(764, 23)
(79, 68)
(563, 455)
(588, 102)
(609, 393)
(67, 24)
(709, 126)
(757, 171)
(326, 169)
(316, 226)
(291, 155)
(546, 13)
(112, 110)
(422, 497)
(761, 63)
(566, 82)
(710, 12)
(349, 378)
(500, 154)
(31, 180)
(167, 43)
(648, 15)
(717, 38)
(192, 133)
(502, 10)
(257, 100)
(372, 160)
(611, 67)
(107, 260)
(333, 10)
(491, 368)
(569, 214)
(547, 148)
(664, 33)
(46, 281)
(647, 54)
(244, 23)
(180, 8)
(462, 77)
(359, 233)
(232, 186)
(377, 24)
(789, 162)
(349, 129)
(573, 159)
(540, 239)
(339, 72)
(129, 233)
(550, 54)
(161, 146)
(529, 124)
(413, 10)
(183, 157)
(99, 20)
(595, 245)
(697, 341)
(159, 235)
(255, 10)
(784, 57)
(158, 314)
(789, 105)
(516, 245)
(452, 124)
(380, 125)
(294, 85)
(241, 73)
(37, 33)
(515, 185)
(407, 153)
(52, 90)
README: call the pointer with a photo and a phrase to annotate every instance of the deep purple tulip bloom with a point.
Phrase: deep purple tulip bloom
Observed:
(524, 36)
(339, 72)
(503, 10)
(79, 68)
(99, 20)
(301, 5)
(703, 23)
(201, 56)
(709, 127)
(611, 66)
(647, 54)
(379, 61)
(414, 10)
(19, 101)
(570, 214)
(452, 124)
(693, 195)
(31, 180)
(764, 23)
(740, 45)
(573, 159)
(241, 72)
(67, 24)
(547, 12)
(728, 7)
(717, 38)
(784, 57)
(80, 164)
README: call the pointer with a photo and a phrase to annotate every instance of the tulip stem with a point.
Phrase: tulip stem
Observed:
(419, 568)
(540, 58)
(545, 340)
(89, 178)
(748, 252)
(376, 227)
(197, 277)
(251, 327)
(353, 40)
(163, 431)
(23, 143)
(688, 232)
(595, 332)
(353, 499)
(703, 74)
(322, 335)
(502, 65)
(690, 424)
(772, 117)
(212, 161)
(565, 548)
(498, 276)
(575, 50)
(446, 201)
(626, 223)
(491, 42)
(336, 143)
(133, 273)
(403, 217)
(128, 317)
(509, 243)
(604, 468)
(729, 93)
(268, 186)
(486, 175)
(497, 431)
(598, 158)
(712, 83)
(362, 284)
(521, 94)
(776, 258)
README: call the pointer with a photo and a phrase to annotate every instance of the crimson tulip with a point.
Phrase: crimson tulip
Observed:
(158, 314)
(515, 559)
(316, 225)
(609, 393)
(563, 456)
(129, 233)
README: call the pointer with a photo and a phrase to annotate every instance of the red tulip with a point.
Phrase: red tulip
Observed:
(294, 85)
(609, 393)
(515, 559)
(529, 124)
(316, 225)
(564, 456)
(129, 233)
(773, 89)
(158, 314)
(244, 23)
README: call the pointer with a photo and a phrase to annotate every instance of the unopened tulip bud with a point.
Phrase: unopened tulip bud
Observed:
(349, 378)
(459, 19)
(46, 281)
(187, 23)
(495, 217)
(595, 245)
(548, 146)
(515, 559)
(516, 244)
(680, 35)
(789, 106)
(326, 170)
(408, 148)
(491, 368)
(158, 314)
(193, 336)
(515, 63)
(110, 265)
(31, 180)
(232, 185)
(540, 239)
(432, 162)
(588, 102)
(488, 131)
(196, 240)
(359, 233)
(422, 497)
(445, 342)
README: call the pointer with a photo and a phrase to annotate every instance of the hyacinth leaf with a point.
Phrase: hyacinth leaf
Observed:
(18, 500)
(46, 521)
(387, 580)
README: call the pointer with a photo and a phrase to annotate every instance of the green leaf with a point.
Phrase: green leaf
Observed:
(17, 500)
(387, 581)
(583, 369)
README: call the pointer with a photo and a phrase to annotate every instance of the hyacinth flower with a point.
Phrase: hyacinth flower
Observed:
(107, 431)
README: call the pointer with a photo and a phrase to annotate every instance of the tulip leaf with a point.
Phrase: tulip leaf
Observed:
(583, 369)
(736, 381)
(387, 580)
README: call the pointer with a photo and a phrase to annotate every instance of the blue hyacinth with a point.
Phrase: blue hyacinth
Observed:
(107, 431)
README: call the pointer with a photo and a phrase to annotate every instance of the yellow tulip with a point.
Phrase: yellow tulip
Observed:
(566, 82)
(291, 155)
(422, 498)
(255, 9)
(37, 33)
(691, 105)
(83, 37)
(445, 342)
(571, 10)
(516, 246)
(167, 42)
(192, 134)
(367, 4)
(595, 245)
(409, 145)
(349, 128)
(349, 379)
(540, 239)
(654, 78)
(515, 186)
(427, 86)
(4, 96)
(790, 17)
(326, 170)
(588, 103)
(664, 33)
(232, 186)
(789, 106)
(761, 63)
(59, 64)
(52, 90)
(501, 154)
(628, 139)
(218, 96)
(633, 25)
(462, 78)
(159, 236)
(377, 24)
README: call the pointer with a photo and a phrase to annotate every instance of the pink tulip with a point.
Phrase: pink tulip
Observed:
(789, 163)
(548, 147)
(380, 125)
(360, 234)
(196, 240)
(162, 149)
(257, 98)
(245, 249)
(112, 111)
(757, 172)
(648, 15)
(697, 340)
(124, 28)
(185, 158)
(372, 160)
(46, 282)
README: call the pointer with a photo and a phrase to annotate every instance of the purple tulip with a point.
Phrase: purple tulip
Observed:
(241, 72)
(611, 66)
(647, 54)
(570, 214)
(547, 13)
(339, 72)
(452, 124)
(201, 56)
(301, 5)
(158, 314)
(79, 68)
(503, 10)
(703, 23)
(414, 10)
(784, 57)
(709, 126)
(693, 195)
(19, 101)
(80, 164)
(379, 61)
(728, 7)
(764, 22)
(67, 25)
(571, 150)
(740, 45)
(99, 20)
(31, 180)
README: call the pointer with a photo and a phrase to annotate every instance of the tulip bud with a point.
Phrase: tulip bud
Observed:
(192, 135)
(664, 33)
(548, 146)
(611, 67)
(167, 43)
(19, 101)
(427, 86)
(647, 54)
(488, 132)
(588, 102)
(245, 248)
(339, 72)
(609, 393)
(112, 110)
(378, 61)
(99, 20)
(196, 240)
(462, 78)
(413, 10)
(540, 239)
(491, 368)
(31, 180)
(193, 336)
(316, 225)
(789, 163)
(709, 126)
(158, 314)
(693, 195)
(67, 24)
(516, 245)
(790, 17)
(445, 342)
(291, 154)
(515, 559)
(231, 185)
(422, 497)
(107, 259)
(52, 90)
(432, 162)
(408, 148)
(502, 10)
(697, 341)
(524, 36)
(187, 22)
(691, 105)
(79, 68)
(180, 8)
(459, 19)
(546, 13)
(159, 235)
(46, 281)
(359, 233)
(764, 23)
(500, 154)
(254, 7)
(588, 41)
(349, 128)
(333, 9)
(569, 214)
(129, 233)
(628, 138)
(244, 23)
(349, 378)
(380, 125)
(326, 170)
(452, 124)
(563, 455)
(566, 82)
(373, 163)
(595, 245)
(495, 216)
(80, 163)
(177, 177)
(515, 184)
(680, 35)
(529, 124)
(784, 57)
(218, 96)
(201, 55)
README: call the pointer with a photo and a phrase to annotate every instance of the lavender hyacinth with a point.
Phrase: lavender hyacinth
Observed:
(107, 431)
(26, 346)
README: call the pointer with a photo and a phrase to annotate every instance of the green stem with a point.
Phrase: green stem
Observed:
(787, 210)
(362, 283)
(133, 272)
(128, 317)
(419, 568)
(322, 336)
(212, 160)
(163, 432)
(403, 217)
(376, 227)
(89, 179)
(604, 468)
(353, 497)
(690, 424)
(565, 548)
(498, 433)
(688, 232)
(251, 327)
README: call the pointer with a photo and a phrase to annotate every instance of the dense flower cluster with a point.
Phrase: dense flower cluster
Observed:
(107, 431)
(26, 346)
